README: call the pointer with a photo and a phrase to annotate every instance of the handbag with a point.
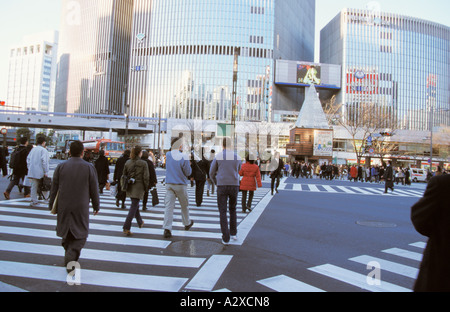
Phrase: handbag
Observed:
(54, 210)
(155, 199)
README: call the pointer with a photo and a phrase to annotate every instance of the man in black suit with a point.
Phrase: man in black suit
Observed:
(431, 217)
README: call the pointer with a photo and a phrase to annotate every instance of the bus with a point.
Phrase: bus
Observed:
(113, 149)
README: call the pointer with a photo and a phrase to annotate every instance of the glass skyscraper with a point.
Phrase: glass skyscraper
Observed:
(400, 63)
(93, 56)
(183, 52)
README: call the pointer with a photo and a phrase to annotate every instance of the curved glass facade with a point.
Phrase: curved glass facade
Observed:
(400, 63)
(183, 52)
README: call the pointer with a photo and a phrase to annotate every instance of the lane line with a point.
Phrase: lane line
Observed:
(283, 283)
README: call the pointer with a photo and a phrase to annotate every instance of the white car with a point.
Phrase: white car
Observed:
(418, 175)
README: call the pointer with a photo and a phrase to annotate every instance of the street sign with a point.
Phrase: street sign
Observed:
(4, 131)
(371, 151)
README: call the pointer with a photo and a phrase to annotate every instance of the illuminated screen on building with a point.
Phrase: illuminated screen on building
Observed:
(308, 74)
(303, 74)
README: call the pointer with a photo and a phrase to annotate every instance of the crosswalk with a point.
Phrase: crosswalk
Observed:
(380, 273)
(351, 190)
(142, 262)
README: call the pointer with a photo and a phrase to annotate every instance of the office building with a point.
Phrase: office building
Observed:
(32, 73)
(183, 55)
(399, 63)
(94, 56)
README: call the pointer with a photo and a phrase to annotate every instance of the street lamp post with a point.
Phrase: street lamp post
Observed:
(237, 52)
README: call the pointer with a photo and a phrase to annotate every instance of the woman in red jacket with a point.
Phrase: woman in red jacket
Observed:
(251, 176)
(353, 173)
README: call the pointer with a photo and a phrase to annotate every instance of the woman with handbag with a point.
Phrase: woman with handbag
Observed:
(135, 179)
(251, 177)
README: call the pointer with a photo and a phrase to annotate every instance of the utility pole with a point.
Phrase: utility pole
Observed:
(159, 130)
(237, 52)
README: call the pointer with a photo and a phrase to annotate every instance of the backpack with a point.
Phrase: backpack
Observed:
(14, 160)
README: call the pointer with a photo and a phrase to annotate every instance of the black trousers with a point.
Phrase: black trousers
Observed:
(73, 247)
(199, 189)
(245, 203)
(272, 182)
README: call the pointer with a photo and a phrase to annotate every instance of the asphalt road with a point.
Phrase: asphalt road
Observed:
(314, 235)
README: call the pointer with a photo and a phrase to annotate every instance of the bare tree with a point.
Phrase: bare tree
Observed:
(361, 121)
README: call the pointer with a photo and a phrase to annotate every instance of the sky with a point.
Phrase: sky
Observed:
(25, 17)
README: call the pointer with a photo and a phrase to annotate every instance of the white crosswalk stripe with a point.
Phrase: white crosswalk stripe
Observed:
(354, 190)
(30, 232)
(360, 278)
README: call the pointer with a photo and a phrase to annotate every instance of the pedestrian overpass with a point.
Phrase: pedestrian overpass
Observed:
(84, 122)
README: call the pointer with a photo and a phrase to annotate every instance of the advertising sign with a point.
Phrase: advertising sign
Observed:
(308, 74)
(362, 82)
(323, 143)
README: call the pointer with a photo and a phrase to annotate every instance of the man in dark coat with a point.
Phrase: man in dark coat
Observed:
(118, 170)
(102, 167)
(431, 217)
(20, 168)
(74, 184)
(199, 174)
(388, 178)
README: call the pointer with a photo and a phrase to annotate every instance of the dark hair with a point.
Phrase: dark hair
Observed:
(135, 151)
(40, 139)
(76, 149)
(101, 153)
(144, 154)
(23, 140)
(226, 142)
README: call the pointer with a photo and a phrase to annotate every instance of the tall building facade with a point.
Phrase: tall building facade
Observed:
(32, 73)
(94, 56)
(400, 63)
(183, 57)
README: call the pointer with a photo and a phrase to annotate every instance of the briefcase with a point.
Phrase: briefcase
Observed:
(155, 199)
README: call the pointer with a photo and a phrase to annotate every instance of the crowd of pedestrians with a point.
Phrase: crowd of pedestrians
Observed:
(135, 175)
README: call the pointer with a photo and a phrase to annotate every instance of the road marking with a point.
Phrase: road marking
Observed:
(419, 245)
(404, 253)
(115, 228)
(91, 277)
(116, 240)
(361, 190)
(207, 277)
(297, 187)
(389, 266)
(346, 190)
(283, 283)
(104, 255)
(313, 188)
(329, 189)
(355, 279)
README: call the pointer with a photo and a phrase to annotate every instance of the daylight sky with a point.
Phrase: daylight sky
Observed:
(25, 17)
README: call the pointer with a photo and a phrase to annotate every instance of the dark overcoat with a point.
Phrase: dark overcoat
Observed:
(75, 181)
(431, 218)
(389, 176)
(102, 167)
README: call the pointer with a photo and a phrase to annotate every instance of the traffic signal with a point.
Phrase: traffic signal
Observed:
(2, 103)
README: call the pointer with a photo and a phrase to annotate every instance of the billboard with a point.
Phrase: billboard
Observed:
(323, 143)
(361, 81)
(308, 74)
(304, 74)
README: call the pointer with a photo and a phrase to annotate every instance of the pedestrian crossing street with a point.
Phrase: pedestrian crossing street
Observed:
(30, 249)
(394, 270)
(351, 190)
